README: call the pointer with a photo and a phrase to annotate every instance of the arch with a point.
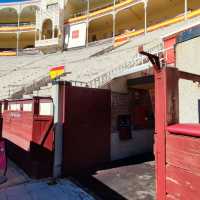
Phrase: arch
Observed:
(47, 29)
(135, 13)
(193, 5)
(100, 28)
(8, 15)
(8, 41)
(28, 14)
(26, 40)
(167, 10)
(55, 32)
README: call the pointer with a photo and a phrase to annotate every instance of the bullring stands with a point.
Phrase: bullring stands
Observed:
(19, 72)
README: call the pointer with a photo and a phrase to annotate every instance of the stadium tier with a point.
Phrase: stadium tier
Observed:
(95, 40)
(76, 23)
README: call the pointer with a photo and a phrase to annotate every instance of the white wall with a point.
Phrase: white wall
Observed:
(141, 142)
(188, 59)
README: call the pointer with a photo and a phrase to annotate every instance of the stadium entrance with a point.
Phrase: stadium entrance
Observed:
(132, 115)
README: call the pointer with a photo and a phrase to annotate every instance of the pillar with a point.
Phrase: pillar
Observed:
(186, 9)
(114, 20)
(145, 17)
(88, 12)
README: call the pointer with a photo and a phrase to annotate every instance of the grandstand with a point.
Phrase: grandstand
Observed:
(107, 43)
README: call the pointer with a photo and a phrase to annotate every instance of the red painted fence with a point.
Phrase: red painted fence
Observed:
(28, 130)
(177, 146)
(87, 128)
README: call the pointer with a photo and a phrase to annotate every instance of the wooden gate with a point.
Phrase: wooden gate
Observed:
(86, 128)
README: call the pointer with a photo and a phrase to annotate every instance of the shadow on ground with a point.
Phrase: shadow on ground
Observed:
(127, 179)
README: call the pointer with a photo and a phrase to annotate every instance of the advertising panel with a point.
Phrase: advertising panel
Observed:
(75, 35)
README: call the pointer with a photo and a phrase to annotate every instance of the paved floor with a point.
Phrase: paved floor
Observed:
(45, 190)
(14, 175)
(130, 179)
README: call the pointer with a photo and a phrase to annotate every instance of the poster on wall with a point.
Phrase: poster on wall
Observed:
(75, 35)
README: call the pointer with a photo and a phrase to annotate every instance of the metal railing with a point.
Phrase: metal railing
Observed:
(21, 24)
(137, 60)
(85, 12)
(99, 81)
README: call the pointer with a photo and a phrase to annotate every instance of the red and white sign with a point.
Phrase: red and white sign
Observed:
(76, 35)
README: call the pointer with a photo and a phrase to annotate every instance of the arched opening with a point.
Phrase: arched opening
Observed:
(47, 30)
(8, 41)
(159, 11)
(80, 7)
(56, 32)
(100, 28)
(28, 14)
(37, 36)
(130, 19)
(193, 5)
(8, 16)
(26, 40)
(75, 8)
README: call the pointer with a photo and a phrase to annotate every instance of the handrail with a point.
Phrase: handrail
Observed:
(84, 12)
(103, 10)
(138, 59)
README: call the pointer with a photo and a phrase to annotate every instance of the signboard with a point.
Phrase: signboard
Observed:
(56, 71)
(75, 35)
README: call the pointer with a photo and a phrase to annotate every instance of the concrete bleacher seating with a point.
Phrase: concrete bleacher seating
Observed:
(22, 71)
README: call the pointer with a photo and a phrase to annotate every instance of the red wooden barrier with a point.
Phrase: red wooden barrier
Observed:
(28, 129)
(87, 128)
(177, 146)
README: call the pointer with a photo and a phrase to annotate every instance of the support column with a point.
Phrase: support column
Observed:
(145, 17)
(186, 9)
(114, 21)
(88, 12)
(18, 25)
(58, 129)
(17, 48)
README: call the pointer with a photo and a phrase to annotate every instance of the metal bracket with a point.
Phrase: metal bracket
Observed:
(155, 60)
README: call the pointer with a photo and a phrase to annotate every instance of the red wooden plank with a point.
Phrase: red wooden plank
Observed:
(171, 197)
(182, 184)
(185, 129)
(183, 152)
(86, 129)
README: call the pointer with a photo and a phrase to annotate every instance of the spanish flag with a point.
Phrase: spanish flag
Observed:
(55, 71)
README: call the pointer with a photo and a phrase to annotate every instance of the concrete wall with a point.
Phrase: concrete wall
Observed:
(141, 141)
(188, 59)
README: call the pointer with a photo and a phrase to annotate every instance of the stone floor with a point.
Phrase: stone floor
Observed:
(14, 175)
(45, 190)
(129, 179)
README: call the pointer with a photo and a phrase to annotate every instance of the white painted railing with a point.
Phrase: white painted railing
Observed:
(138, 60)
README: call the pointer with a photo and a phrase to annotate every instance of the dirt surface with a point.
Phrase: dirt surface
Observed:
(130, 179)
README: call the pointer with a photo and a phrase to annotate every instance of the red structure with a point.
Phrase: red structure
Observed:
(86, 118)
(177, 146)
(29, 134)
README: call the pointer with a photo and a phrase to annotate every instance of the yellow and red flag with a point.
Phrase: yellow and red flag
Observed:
(55, 71)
